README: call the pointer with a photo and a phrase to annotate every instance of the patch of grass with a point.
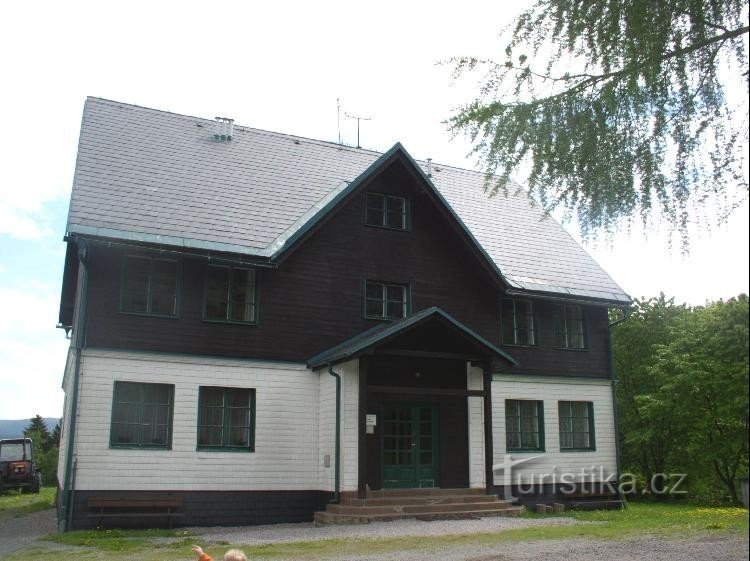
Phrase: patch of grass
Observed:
(117, 540)
(669, 520)
(15, 503)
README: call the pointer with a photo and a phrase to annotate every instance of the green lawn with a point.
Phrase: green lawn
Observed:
(15, 503)
(670, 520)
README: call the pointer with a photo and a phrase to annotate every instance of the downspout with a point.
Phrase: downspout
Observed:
(337, 446)
(80, 341)
(615, 415)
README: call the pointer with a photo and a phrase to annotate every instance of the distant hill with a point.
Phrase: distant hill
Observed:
(14, 429)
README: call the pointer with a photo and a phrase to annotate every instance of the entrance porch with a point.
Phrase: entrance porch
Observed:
(423, 407)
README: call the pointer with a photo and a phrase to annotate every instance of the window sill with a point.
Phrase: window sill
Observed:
(573, 349)
(373, 318)
(519, 345)
(137, 447)
(148, 315)
(564, 450)
(524, 450)
(222, 449)
(231, 322)
(389, 228)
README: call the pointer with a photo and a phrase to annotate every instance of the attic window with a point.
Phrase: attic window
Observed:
(387, 211)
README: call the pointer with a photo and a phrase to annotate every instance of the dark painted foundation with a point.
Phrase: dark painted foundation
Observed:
(211, 508)
(590, 495)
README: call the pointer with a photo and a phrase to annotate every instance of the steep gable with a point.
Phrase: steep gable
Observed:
(158, 177)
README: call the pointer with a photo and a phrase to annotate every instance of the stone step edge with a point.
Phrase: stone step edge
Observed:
(450, 499)
(408, 509)
(322, 518)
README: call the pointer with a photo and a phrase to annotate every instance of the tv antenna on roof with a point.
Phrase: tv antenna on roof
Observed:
(358, 120)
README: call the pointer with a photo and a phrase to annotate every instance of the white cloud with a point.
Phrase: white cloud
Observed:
(22, 225)
(32, 353)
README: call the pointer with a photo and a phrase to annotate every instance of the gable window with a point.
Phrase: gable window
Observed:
(569, 327)
(226, 418)
(387, 211)
(386, 301)
(149, 286)
(576, 425)
(231, 294)
(518, 322)
(524, 425)
(142, 415)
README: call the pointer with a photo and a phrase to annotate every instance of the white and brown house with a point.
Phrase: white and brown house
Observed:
(263, 326)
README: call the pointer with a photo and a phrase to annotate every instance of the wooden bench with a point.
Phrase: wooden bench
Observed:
(590, 498)
(135, 506)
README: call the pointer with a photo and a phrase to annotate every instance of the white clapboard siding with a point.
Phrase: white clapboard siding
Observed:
(476, 430)
(67, 387)
(349, 461)
(593, 465)
(326, 430)
(349, 424)
(286, 426)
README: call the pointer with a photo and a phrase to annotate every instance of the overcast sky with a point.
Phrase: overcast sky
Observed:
(274, 65)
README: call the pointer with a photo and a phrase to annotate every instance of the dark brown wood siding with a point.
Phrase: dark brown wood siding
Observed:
(314, 300)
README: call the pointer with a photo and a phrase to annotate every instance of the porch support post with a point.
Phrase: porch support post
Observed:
(362, 440)
(488, 447)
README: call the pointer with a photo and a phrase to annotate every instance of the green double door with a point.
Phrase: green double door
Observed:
(409, 446)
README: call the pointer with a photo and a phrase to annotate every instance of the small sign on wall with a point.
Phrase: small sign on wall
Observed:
(371, 421)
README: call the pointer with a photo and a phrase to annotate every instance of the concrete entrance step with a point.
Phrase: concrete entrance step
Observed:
(418, 508)
(418, 500)
(423, 504)
(422, 492)
(324, 518)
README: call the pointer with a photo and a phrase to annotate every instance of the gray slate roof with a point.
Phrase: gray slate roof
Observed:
(155, 176)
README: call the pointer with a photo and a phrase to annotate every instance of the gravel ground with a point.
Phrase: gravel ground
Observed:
(275, 533)
(647, 548)
(708, 547)
(17, 533)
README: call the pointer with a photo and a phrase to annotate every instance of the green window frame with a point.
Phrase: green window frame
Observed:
(231, 295)
(570, 327)
(387, 211)
(226, 419)
(141, 415)
(576, 420)
(524, 425)
(386, 301)
(519, 324)
(150, 286)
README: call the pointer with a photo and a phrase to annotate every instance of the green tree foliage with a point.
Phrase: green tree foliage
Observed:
(619, 107)
(37, 430)
(683, 392)
(45, 448)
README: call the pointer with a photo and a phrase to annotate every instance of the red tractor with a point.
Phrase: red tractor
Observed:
(17, 467)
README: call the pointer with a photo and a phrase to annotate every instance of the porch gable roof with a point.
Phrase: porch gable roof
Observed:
(379, 335)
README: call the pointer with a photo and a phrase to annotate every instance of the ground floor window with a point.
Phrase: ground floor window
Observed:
(524, 425)
(226, 418)
(576, 425)
(142, 415)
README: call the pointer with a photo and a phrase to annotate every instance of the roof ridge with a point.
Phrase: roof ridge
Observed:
(325, 143)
